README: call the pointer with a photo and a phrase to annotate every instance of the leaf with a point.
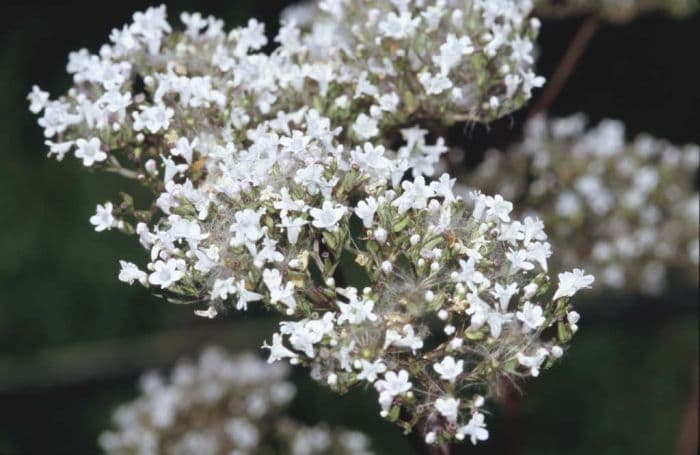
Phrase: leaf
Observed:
(474, 334)
(564, 332)
(394, 414)
(401, 224)
(330, 240)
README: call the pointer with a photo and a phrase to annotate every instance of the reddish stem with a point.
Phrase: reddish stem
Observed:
(688, 440)
(566, 65)
(512, 405)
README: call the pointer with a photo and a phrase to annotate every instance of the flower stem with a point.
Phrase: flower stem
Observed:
(566, 64)
(688, 438)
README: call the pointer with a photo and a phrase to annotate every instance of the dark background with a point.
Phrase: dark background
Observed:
(73, 339)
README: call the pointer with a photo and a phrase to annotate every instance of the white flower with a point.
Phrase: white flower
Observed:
(185, 148)
(380, 236)
(172, 169)
(533, 362)
(370, 371)
(89, 151)
(304, 334)
(398, 26)
(394, 383)
(448, 369)
(243, 432)
(519, 260)
(286, 204)
(531, 316)
(389, 102)
(499, 208)
(194, 23)
(364, 87)
(356, 311)
(167, 273)
(328, 216)
(209, 313)
(540, 252)
(37, 99)
(222, 289)
(58, 148)
(115, 102)
(130, 272)
(478, 309)
(443, 187)
(277, 350)
(495, 321)
(296, 144)
(475, 429)
(468, 273)
(365, 127)
(530, 81)
(57, 118)
(415, 195)
(245, 296)
(153, 118)
(511, 232)
(573, 317)
(572, 282)
(434, 84)
(293, 227)
(372, 159)
(246, 226)
(408, 340)
(279, 293)
(366, 209)
(522, 49)
(103, 219)
(451, 52)
(448, 408)
(512, 82)
(533, 229)
(504, 294)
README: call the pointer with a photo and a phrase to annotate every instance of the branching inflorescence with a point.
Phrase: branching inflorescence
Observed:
(221, 404)
(302, 180)
(627, 211)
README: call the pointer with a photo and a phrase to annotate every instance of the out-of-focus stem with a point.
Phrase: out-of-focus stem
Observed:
(117, 168)
(567, 64)
(688, 439)
(512, 404)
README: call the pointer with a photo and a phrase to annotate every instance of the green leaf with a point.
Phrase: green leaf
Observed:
(474, 334)
(564, 332)
(330, 240)
(394, 414)
(401, 224)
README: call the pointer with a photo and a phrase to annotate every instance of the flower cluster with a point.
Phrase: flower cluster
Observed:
(457, 299)
(221, 405)
(627, 211)
(438, 59)
(614, 10)
(301, 180)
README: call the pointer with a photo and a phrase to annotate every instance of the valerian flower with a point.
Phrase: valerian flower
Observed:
(627, 211)
(89, 151)
(221, 404)
(103, 219)
(448, 369)
(270, 172)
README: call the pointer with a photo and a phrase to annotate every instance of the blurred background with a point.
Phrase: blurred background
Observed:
(73, 339)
